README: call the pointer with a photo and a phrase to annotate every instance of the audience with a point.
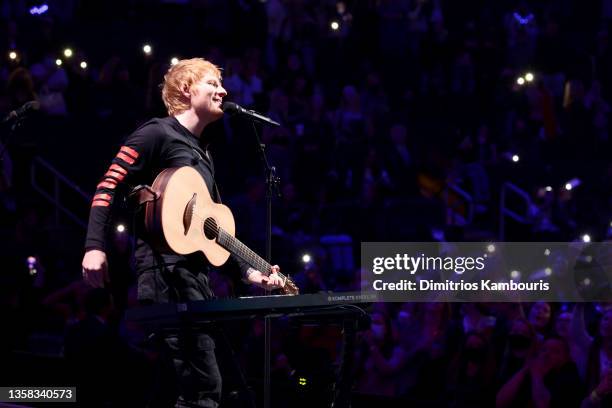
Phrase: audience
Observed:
(403, 102)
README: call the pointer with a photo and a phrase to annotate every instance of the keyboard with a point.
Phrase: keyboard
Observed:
(251, 307)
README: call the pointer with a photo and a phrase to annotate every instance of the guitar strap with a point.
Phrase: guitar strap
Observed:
(143, 193)
(216, 192)
(208, 162)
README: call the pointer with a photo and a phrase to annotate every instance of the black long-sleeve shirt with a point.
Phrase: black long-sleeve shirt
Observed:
(157, 145)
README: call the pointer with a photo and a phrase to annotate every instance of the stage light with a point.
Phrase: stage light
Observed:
(529, 77)
(120, 228)
(586, 282)
(306, 258)
(68, 53)
(58, 62)
(13, 55)
(83, 65)
(547, 252)
(335, 25)
(548, 271)
(490, 248)
(586, 238)
(520, 81)
(515, 158)
(549, 188)
(302, 381)
(572, 184)
(147, 49)
(31, 261)
(174, 61)
(515, 274)
(37, 11)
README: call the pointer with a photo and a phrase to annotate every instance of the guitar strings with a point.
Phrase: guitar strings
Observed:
(245, 252)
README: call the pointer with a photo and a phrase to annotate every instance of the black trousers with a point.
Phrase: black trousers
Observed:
(197, 372)
(191, 350)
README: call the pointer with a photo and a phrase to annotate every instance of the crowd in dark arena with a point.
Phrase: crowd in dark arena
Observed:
(401, 121)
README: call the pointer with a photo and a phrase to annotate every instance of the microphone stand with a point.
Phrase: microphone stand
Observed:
(272, 190)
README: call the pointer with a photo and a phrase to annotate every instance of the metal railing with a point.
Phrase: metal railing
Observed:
(505, 211)
(53, 193)
(455, 200)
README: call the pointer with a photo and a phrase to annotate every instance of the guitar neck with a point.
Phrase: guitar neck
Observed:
(237, 248)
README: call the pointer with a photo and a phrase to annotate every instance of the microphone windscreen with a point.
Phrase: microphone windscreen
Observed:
(230, 108)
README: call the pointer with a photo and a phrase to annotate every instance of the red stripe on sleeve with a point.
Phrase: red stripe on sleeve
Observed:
(107, 184)
(130, 151)
(125, 158)
(118, 168)
(117, 176)
(102, 196)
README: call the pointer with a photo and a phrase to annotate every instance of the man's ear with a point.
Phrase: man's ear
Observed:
(186, 91)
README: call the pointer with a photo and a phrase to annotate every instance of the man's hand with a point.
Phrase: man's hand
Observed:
(95, 268)
(270, 282)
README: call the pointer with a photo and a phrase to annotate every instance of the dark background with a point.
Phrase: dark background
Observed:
(399, 126)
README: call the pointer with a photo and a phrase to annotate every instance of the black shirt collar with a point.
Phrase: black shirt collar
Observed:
(183, 130)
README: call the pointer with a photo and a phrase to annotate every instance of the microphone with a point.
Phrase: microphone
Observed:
(232, 109)
(23, 110)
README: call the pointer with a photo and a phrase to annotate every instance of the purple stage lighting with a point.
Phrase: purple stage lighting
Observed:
(523, 20)
(37, 11)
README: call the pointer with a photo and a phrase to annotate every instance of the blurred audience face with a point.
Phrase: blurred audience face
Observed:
(398, 134)
(555, 353)
(294, 63)
(405, 314)
(434, 311)
(279, 102)
(350, 97)
(520, 338)
(20, 87)
(379, 327)
(317, 102)
(539, 315)
(605, 327)
(475, 349)
(562, 324)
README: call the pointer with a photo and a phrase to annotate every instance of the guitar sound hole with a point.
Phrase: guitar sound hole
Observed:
(210, 228)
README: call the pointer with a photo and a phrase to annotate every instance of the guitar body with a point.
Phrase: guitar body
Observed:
(184, 219)
(176, 219)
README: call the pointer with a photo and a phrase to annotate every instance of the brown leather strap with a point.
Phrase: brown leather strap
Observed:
(144, 194)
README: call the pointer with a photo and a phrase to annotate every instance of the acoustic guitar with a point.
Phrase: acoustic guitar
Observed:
(184, 219)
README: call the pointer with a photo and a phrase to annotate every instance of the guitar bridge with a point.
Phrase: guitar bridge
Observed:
(188, 213)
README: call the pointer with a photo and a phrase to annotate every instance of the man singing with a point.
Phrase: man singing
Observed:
(192, 93)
